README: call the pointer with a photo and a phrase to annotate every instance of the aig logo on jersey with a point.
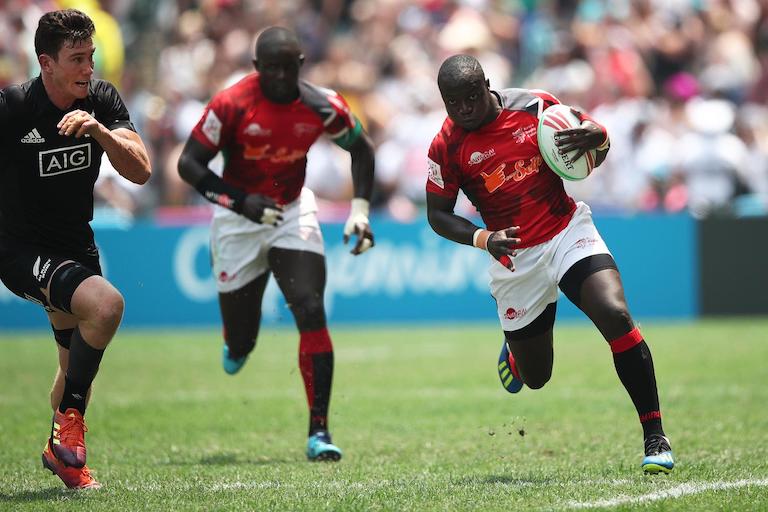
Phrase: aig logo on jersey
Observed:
(61, 160)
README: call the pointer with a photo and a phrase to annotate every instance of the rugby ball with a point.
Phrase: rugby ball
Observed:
(552, 120)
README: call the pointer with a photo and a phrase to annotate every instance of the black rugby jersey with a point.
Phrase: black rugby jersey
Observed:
(46, 179)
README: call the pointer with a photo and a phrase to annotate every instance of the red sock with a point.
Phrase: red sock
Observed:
(316, 365)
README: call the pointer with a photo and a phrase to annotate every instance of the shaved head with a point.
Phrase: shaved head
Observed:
(274, 38)
(459, 70)
(466, 93)
(278, 60)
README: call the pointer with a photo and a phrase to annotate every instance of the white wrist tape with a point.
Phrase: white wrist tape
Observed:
(358, 214)
(270, 216)
(480, 238)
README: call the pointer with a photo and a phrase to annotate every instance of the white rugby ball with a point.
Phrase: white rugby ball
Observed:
(552, 120)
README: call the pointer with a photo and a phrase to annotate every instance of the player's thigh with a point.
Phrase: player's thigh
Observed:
(238, 251)
(297, 253)
(241, 309)
(523, 295)
(603, 301)
(300, 274)
(580, 251)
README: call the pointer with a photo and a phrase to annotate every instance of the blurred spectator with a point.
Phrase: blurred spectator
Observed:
(651, 70)
(713, 161)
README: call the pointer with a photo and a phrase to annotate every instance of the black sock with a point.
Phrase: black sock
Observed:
(635, 369)
(238, 349)
(74, 396)
(323, 375)
(238, 345)
(83, 364)
(317, 370)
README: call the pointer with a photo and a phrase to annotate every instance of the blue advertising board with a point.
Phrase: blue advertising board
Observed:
(412, 275)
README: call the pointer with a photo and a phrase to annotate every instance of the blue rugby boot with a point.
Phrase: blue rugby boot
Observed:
(320, 447)
(658, 455)
(510, 379)
(231, 366)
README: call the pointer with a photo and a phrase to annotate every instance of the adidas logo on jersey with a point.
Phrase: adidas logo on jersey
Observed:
(32, 137)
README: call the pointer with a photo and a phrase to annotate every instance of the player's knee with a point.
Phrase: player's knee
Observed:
(109, 313)
(615, 319)
(308, 308)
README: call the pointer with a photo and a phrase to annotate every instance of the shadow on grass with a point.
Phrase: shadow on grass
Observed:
(50, 494)
(229, 459)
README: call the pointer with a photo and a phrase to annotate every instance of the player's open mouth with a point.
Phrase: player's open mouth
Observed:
(81, 84)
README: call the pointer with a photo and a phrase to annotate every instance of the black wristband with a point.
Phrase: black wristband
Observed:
(217, 191)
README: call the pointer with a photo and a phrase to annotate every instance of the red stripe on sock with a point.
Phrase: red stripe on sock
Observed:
(650, 416)
(312, 342)
(626, 342)
(307, 375)
(315, 342)
(513, 366)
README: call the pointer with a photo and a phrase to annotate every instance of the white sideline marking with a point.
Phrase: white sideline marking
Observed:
(674, 492)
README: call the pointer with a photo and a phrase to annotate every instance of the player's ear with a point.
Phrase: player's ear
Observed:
(46, 61)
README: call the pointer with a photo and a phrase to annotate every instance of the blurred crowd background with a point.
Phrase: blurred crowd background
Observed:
(681, 85)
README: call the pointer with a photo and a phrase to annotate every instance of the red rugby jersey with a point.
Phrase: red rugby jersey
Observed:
(501, 171)
(265, 144)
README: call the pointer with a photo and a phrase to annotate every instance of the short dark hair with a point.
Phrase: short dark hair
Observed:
(59, 27)
(459, 69)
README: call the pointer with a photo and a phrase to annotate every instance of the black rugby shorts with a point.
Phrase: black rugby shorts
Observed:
(27, 270)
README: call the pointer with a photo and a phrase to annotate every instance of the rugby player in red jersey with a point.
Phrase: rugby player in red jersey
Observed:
(267, 223)
(54, 130)
(537, 236)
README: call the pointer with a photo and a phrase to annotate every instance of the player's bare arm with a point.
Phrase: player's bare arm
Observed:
(362, 155)
(500, 244)
(193, 168)
(590, 135)
(123, 147)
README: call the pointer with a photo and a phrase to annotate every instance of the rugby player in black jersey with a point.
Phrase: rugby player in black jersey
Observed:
(54, 130)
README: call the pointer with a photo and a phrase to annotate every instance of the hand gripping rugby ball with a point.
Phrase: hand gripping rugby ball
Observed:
(552, 120)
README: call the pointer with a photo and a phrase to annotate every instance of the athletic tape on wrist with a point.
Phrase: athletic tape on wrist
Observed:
(360, 206)
(358, 214)
(480, 238)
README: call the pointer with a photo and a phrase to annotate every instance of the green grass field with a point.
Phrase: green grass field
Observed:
(419, 413)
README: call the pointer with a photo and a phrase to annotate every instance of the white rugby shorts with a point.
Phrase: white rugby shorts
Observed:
(522, 295)
(239, 246)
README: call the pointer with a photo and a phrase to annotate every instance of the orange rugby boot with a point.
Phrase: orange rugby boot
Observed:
(68, 437)
(73, 478)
